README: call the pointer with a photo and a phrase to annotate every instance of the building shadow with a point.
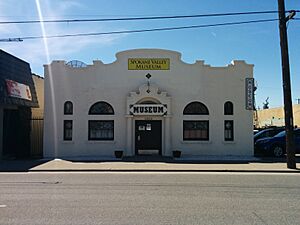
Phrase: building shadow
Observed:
(26, 165)
(20, 165)
(164, 159)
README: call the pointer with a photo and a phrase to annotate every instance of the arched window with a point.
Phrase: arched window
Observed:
(101, 108)
(101, 129)
(196, 130)
(68, 108)
(228, 108)
(195, 108)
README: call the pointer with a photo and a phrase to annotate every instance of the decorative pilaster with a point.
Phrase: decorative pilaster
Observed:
(129, 139)
(167, 146)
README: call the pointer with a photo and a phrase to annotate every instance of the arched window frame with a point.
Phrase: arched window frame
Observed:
(196, 128)
(102, 128)
(68, 108)
(108, 110)
(195, 108)
(228, 108)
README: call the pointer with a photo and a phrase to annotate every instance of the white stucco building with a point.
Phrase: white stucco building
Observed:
(148, 101)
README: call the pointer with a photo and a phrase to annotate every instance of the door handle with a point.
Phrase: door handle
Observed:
(139, 137)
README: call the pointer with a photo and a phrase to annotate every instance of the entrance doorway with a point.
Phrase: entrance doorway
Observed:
(148, 137)
(16, 133)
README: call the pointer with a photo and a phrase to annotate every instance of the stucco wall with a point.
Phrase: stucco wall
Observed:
(113, 82)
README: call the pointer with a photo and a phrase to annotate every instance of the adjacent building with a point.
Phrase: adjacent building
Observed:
(17, 97)
(37, 119)
(148, 101)
(275, 117)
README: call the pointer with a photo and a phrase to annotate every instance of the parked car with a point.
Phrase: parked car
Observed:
(255, 131)
(269, 132)
(275, 146)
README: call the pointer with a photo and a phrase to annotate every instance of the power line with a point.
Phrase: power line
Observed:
(140, 31)
(141, 18)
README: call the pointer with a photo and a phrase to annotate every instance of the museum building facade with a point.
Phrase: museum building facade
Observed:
(148, 101)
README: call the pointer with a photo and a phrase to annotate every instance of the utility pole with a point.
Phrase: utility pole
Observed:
(288, 108)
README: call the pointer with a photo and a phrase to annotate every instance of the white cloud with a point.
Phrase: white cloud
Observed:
(67, 5)
(33, 51)
(6, 29)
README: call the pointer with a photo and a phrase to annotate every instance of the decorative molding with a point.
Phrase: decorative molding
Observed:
(148, 92)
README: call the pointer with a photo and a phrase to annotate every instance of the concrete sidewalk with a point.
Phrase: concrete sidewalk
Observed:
(171, 165)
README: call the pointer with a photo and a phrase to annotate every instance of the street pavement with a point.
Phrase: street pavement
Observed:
(149, 198)
(230, 164)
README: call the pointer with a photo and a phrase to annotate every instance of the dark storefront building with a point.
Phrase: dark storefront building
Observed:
(17, 97)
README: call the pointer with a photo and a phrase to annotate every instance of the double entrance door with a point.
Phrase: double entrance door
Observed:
(148, 137)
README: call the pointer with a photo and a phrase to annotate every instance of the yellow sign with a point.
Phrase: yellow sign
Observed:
(148, 64)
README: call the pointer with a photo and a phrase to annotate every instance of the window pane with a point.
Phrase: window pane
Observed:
(68, 129)
(195, 130)
(228, 130)
(101, 108)
(101, 130)
(195, 108)
(68, 108)
(228, 108)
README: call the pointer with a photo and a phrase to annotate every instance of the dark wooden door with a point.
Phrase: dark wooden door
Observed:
(148, 137)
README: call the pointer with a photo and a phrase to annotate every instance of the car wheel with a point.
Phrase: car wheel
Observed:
(278, 151)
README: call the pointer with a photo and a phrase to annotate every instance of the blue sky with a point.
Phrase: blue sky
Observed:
(258, 44)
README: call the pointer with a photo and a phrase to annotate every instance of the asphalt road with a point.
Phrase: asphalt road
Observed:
(149, 198)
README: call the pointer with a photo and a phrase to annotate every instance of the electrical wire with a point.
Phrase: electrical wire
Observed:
(142, 18)
(140, 31)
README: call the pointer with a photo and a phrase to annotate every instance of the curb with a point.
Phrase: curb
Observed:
(164, 170)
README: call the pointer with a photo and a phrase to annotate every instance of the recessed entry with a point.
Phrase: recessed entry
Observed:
(148, 137)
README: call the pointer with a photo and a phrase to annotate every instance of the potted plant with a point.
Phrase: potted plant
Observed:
(176, 154)
(118, 154)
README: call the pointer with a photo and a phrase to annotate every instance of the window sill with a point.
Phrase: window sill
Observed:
(67, 142)
(196, 142)
(100, 142)
(229, 142)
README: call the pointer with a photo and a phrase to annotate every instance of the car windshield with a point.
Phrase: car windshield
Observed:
(280, 134)
(259, 133)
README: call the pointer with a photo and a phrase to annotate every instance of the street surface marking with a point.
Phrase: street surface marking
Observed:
(3, 206)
